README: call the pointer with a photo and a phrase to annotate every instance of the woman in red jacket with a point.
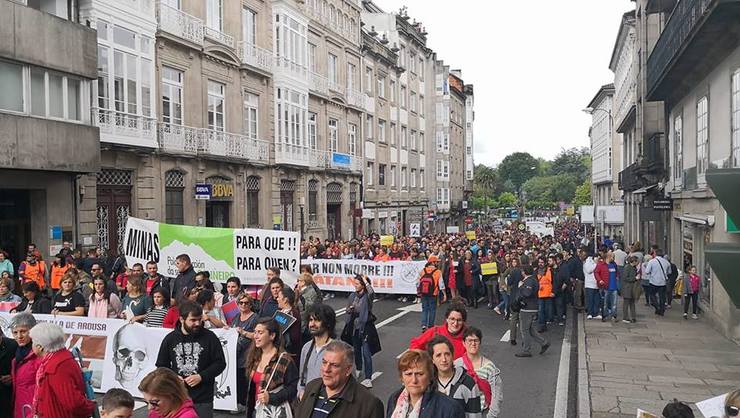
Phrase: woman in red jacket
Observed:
(25, 364)
(60, 390)
(453, 329)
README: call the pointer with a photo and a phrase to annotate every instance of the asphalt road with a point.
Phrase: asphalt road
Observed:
(529, 383)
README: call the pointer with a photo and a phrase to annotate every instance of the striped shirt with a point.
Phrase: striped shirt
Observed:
(155, 317)
(463, 389)
(324, 405)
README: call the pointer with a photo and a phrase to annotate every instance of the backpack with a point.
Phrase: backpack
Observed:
(426, 284)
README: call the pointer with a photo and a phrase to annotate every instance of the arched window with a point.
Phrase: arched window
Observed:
(253, 201)
(313, 197)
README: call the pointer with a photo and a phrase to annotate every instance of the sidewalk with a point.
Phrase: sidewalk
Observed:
(648, 363)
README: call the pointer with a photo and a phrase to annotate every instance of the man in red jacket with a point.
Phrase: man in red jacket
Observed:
(453, 329)
(601, 274)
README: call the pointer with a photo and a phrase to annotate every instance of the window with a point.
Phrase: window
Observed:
(214, 14)
(421, 105)
(249, 26)
(369, 80)
(421, 141)
(403, 97)
(381, 130)
(290, 42)
(312, 131)
(413, 139)
(103, 76)
(443, 170)
(291, 109)
(393, 133)
(421, 179)
(443, 141)
(332, 68)
(313, 197)
(369, 127)
(251, 104)
(369, 174)
(51, 94)
(402, 55)
(253, 201)
(412, 101)
(381, 174)
(381, 86)
(421, 67)
(352, 138)
(392, 86)
(351, 69)
(403, 137)
(171, 96)
(393, 177)
(677, 152)
(404, 175)
(412, 62)
(216, 106)
(146, 87)
(174, 187)
(702, 140)
(333, 135)
(735, 158)
(312, 57)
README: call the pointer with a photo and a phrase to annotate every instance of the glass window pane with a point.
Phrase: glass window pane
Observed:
(124, 37)
(38, 92)
(118, 80)
(73, 99)
(131, 79)
(11, 86)
(56, 98)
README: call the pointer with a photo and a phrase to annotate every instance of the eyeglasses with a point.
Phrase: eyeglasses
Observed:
(472, 341)
(154, 403)
(244, 302)
(732, 411)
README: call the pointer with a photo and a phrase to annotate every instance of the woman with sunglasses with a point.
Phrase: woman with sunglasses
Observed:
(732, 404)
(166, 395)
(244, 325)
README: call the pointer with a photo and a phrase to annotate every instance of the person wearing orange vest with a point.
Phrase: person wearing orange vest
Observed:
(430, 283)
(545, 293)
(58, 268)
(33, 270)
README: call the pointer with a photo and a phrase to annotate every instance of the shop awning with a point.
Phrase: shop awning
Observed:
(725, 183)
(706, 220)
(723, 259)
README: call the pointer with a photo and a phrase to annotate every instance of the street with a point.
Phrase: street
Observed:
(529, 383)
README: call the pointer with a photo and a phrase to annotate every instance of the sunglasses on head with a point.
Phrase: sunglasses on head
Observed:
(732, 411)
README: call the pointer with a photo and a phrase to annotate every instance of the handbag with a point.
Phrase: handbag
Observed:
(273, 411)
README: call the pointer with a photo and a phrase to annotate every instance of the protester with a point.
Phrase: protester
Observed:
(601, 274)
(291, 336)
(322, 321)
(5, 294)
(359, 316)
(117, 403)
(527, 302)
(307, 294)
(691, 287)
(60, 389)
(486, 375)
(102, 303)
(453, 328)
(233, 289)
(578, 279)
(418, 397)
(244, 325)
(212, 317)
(5, 264)
(8, 348)
(25, 363)
(58, 268)
(269, 304)
(657, 271)
(272, 375)
(136, 303)
(428, 290)
(631, 289)
(198, 372)
(33, 301)
(645, 278)
(561, 280)
(676, 409)
(513, 280)
(593, 297)
(33, 270)
(158, 311)
(545, 293)
(454, 381)
(671, 283)
(503, 287)
(185, 280)
(68, 301)
(612, 289)
(153, 280)
(166, 395)
(336, 393)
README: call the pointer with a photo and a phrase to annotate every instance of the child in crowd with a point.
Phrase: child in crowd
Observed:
(117, 403)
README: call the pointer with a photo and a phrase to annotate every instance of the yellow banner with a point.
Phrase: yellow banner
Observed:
(489, 268)
(470, 235)
(386, 240)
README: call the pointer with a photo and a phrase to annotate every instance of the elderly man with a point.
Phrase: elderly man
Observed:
(337, 393)
(657, 271)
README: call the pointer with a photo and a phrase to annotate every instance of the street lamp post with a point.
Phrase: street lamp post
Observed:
(608, 112)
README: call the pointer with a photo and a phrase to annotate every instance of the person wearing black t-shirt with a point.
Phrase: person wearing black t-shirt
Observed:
(68, 301)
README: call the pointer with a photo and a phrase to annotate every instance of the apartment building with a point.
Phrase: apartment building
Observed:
(45, 127)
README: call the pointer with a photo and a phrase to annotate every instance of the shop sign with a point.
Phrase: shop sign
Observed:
(203, 191)
(222, 191)
(663, 204)
(342, 160)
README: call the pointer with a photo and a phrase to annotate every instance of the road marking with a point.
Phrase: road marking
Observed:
(341, 312)
(561, 391)
(399, 356)
(507, 336)
(376, 375)
(406, 309)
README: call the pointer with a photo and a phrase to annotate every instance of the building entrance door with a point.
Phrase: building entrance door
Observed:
(15, 223)
(114, 207)
(217, 214)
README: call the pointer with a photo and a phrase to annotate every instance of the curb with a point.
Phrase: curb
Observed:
(584, 394)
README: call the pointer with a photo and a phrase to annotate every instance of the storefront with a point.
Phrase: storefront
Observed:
(695, 233)
(218, 207)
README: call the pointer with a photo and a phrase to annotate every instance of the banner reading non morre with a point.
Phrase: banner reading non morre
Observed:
(398, 277)
(120, 354)
(223, 252)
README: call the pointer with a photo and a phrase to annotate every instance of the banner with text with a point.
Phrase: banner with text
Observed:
(120, 354)
(398, 277)
(224, 252)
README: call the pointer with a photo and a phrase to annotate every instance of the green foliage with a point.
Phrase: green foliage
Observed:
(518, 168)
(575, 162)
(506, 200)
(583, 194)
(544, 189)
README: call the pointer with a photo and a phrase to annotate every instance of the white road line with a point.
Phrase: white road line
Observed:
(341, 312)
(561, 391)
(376, 375)
(507, 336)
(391, 319)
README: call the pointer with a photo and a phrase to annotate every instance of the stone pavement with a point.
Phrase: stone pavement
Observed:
(656, 359)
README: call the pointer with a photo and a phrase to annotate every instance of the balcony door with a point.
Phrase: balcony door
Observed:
(249, 26)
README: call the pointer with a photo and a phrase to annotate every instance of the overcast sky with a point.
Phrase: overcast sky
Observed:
(534, 64)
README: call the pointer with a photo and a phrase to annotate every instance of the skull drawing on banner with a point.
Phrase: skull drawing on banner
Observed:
(129, 355)
(223, 390)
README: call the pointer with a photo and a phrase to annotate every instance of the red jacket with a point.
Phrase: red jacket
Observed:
(24, 382)
(601, 274)
(60, 391)
(420, 342)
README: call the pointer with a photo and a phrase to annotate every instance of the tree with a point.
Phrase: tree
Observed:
(573, 161)
(506, 200)
(583, 194)
(518, 168)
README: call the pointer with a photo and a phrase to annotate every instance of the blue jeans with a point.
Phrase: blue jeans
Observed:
(544, 311)
(504, 305)
(593, 302)
(610, 304)
(363, 358)
(559, 302)
(428, 310)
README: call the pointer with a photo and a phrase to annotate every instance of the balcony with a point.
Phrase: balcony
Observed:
(653, 157)
(224, 144)
(698, 35)
(255, 56)
(355, 98)
(125, 129)
(629, 181)
(180, 24)
(319, 84)
(177, 139)
(290, 154)
(284, 66)
(220, 37)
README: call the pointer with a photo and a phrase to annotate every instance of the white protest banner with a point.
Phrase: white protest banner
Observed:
(121, 354)
(713, 407)
(398, 277)
(223, 252)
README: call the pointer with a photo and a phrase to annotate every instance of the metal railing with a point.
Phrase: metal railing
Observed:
(316, 15)
(178, 139)
(141, 129)
(225, 144)
(292, 154)
(628, 179)
(220, 37)
(288, 67)
(180, 24)
(255, 56)
(319, 83)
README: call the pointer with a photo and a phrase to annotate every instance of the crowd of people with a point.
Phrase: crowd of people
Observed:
(313, 368)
